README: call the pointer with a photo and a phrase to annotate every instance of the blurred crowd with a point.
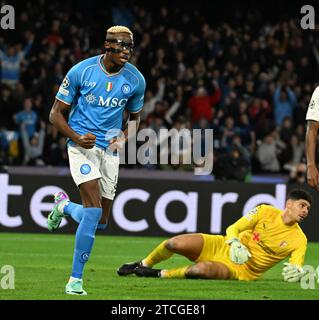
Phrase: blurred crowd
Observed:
(248, 78)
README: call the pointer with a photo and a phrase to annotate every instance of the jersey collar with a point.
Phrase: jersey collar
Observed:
(100, 58)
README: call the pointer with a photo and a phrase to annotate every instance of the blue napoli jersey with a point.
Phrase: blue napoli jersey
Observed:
(99, 99)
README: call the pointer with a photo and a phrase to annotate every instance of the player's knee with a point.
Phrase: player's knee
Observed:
(91, 203)
(198, 270)
(91, 199)
(90, 194)
(174, 244)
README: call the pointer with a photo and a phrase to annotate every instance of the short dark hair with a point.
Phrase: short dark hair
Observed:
(297, 194)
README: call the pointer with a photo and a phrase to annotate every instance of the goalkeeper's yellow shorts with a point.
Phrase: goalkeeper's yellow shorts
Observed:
(215, 249)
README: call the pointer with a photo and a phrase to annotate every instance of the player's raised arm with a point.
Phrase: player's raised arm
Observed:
(57, 118)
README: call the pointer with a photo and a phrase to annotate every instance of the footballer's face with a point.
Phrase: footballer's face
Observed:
(298, 209)
(119, 47)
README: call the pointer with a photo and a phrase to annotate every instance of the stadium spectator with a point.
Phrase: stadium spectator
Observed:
(284, 104)
(11, 58)
(294, 152)
(227, 132)
(202, 104)
(8, 106)
(234, 165)
(4, 146)
(27, 116)
(33, 148)
(267, 154)
(151, 100)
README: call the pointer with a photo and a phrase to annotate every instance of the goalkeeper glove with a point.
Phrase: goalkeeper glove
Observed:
(292, 273)
(239, 254)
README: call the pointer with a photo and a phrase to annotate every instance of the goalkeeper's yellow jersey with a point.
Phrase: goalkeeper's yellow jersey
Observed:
(268, 239)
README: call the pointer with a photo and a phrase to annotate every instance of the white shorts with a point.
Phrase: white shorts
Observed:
(95, 163)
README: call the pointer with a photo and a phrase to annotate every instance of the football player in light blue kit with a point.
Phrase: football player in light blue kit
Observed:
(97, 91)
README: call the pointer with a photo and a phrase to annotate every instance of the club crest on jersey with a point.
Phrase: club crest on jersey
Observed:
(126, 88)
(85, 168)
(108, 86)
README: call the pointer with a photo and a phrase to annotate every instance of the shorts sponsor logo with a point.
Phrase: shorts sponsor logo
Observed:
(126, 88)
(85, 169)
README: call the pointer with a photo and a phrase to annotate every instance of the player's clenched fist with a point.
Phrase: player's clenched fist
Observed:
(86, 141)
(116, 144)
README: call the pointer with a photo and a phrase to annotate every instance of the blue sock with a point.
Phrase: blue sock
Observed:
(101, 226)
(74, 210)
(84, 239)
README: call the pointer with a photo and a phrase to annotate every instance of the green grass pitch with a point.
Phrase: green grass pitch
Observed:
(42, 265)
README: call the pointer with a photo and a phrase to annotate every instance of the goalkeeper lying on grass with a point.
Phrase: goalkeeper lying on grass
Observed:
(253, 244)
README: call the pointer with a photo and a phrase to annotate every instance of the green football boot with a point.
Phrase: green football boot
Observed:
(75, 287)
(56, 215)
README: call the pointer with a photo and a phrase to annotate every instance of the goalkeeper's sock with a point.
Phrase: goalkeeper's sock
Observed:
(84, 239)
(174, 273)
(73, 210)
(159, 254)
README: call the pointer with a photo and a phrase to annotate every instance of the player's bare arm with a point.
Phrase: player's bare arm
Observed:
(311, 144)
(57, 118)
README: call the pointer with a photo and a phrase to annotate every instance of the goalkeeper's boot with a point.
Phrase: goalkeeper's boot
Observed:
(56, 215)
(147, 272)
(75, 287)
(128, 268)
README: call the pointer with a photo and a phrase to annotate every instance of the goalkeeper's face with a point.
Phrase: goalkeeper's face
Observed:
(298, 209)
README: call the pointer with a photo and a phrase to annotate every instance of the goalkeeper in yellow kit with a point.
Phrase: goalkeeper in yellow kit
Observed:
(252, 245)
